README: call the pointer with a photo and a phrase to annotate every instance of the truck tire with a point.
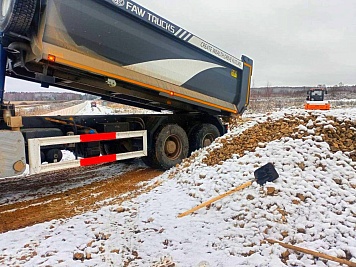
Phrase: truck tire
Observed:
(16, 15)
(170, 147)
(202, 135)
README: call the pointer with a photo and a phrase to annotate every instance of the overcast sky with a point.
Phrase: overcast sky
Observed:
(292, 42)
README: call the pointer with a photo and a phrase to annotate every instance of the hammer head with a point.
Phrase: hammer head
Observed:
(266, 173)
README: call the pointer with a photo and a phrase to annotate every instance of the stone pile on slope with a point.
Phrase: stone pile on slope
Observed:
(311, 204)
(340, 135)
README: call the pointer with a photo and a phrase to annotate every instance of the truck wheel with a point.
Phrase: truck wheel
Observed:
(16, 15)
(170, 147)
(202, 136)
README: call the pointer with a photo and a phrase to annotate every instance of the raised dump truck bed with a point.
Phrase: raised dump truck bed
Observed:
(128, 54)
(123, 53)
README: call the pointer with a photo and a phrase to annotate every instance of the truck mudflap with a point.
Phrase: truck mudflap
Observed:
(12, 154)
(124, 41)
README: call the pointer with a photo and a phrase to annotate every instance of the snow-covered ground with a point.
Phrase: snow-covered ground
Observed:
(98, 110)
(312, 205)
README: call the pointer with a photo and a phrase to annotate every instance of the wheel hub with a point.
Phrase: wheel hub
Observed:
(173, 147)
(207, 140)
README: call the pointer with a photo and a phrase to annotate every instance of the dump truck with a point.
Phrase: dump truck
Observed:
(315, 99)
(121, 52)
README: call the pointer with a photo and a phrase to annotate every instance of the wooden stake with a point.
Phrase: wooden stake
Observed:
(314, 253)
(204, 204)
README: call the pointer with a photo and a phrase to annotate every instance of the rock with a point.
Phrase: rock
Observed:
(203, 264)
(285, 255)
(301, 230)
(270, 190)
(338, 181)
(285, 234)
(120, 209)
(301, 197)
(301, 165)
(202, 175)
(78, 256)
(261, 145)
(87, 255)
(250, 197)
(295, 202)
(102, 236)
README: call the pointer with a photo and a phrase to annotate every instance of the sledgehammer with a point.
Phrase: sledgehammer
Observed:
(266, 173)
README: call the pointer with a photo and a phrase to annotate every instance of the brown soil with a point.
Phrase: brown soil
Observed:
(74, 201)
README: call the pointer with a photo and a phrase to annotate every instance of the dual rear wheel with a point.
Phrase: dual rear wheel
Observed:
(171, 144)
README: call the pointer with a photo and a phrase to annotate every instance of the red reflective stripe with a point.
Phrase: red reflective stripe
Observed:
(97, 137)
(97, 160)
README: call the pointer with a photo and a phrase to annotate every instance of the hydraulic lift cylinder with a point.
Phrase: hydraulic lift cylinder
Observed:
(3, 58)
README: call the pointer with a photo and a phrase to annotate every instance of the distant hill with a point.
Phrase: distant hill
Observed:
(45, 96)
(280, 91)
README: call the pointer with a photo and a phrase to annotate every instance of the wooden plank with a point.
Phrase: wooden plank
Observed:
(314, 253)
(204, 204)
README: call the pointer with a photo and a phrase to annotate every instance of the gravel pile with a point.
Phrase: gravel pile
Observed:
(339, 134)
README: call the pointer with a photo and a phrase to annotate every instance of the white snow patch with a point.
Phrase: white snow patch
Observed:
(313, 207)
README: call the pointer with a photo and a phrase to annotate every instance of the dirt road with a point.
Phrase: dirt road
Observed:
(69, 193)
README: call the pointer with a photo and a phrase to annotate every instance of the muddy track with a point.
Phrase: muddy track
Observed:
(71, 202)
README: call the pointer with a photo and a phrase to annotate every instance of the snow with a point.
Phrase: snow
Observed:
(312, 205)
(98, 110)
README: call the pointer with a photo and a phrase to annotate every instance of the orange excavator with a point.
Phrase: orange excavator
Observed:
(315, 99)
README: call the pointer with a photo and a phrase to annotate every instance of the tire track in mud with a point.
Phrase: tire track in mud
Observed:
(77, 200)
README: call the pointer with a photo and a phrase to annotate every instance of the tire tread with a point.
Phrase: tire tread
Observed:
(21, 17)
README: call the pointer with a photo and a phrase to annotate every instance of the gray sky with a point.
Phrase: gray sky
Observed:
(292, 42)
